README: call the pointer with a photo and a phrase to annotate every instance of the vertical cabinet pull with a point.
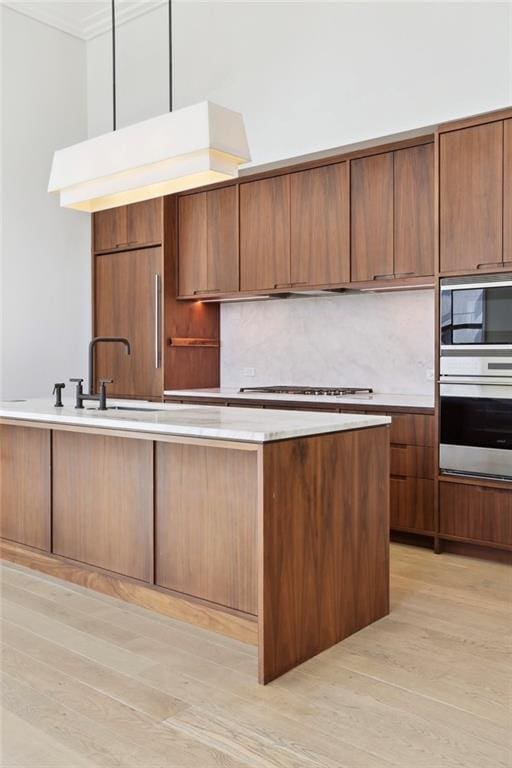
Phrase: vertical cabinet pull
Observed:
(158, 322)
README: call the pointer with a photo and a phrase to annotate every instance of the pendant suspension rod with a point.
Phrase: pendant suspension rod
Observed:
(170, 58)
(114, 109)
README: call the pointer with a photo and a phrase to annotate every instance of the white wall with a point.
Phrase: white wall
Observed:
(45, 272)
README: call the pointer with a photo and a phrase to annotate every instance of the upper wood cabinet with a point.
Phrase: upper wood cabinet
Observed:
(320, 236)
(507, 194)
(371, 189)
(128, 226)
(471, 198)
(414, 248)
(127, 293)
(265, 234)
(392, 210)
(208, 242)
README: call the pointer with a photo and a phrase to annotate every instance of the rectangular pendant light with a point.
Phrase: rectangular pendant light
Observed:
(183, 149)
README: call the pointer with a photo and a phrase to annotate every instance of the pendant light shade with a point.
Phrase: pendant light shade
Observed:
(180, 150)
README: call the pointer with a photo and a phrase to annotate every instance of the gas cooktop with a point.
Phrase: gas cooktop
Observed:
(284, 390)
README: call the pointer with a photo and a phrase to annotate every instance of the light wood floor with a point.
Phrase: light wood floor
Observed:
(88, 681)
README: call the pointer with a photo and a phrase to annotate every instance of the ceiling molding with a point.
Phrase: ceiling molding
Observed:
(85, 26)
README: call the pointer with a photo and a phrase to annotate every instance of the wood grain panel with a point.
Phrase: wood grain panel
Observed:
(222, 217)
(185, 368)
(103, 502)
(412, 429)
(414, 211)
(125, 306)
(324, 561)
(145, 222)
(320, 236)
(476, 512)
(371, 206)
(412, 503)
(206, 524)
(507, 193)
(25, 485)
(265, 234)
(192, 244)
(110, 228)
(471, 197)
(412, 461)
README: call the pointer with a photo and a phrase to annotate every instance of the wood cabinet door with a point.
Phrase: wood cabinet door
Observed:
(206, 529)
(507, 194)
(192, 244)
(103, 502)
(371, 204)
(414, 211)
(127, 304)
(110, 229)
(25, 485)
(412, 504)
(476, 512)
(471, 198)
(222, 240)
(265, 234)
(320, 237)
(144, 222)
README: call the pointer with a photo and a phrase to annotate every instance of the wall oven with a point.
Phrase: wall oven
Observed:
(476, 376)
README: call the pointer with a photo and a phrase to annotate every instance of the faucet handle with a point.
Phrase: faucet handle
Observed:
(106, 381)
(77, 381)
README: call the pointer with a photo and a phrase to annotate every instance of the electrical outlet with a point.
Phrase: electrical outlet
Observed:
(248, 372)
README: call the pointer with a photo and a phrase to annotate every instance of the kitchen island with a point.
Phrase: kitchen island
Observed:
(269, 526)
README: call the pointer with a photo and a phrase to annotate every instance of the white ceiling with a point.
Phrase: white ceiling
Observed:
(82, 18)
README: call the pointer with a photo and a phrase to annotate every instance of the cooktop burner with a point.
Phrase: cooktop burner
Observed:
(284, 390)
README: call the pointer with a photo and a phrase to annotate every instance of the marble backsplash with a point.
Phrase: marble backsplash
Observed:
(379, 340)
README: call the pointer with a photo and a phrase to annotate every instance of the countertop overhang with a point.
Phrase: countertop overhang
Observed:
(213, 422)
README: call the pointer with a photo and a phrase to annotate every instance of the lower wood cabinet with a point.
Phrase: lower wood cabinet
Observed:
(25, 507)
(103, 502)
(206, 523)
(476, 512)
(412, 504)
(412, 461)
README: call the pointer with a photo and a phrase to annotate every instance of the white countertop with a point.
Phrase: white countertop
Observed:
(215, 422)
(377, 398)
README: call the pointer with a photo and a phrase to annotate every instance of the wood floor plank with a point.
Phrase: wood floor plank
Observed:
(119, 686)
(24, 746)
(430, 686)
(144, 741)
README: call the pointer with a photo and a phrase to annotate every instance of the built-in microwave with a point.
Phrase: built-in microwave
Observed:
(476, 313)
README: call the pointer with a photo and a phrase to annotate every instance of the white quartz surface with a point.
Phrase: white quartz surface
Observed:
(221, 423)
(377, 398)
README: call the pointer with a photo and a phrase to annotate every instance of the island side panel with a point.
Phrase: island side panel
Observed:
(25, 485)
(206, 523)
(324, 543)
(103, 502)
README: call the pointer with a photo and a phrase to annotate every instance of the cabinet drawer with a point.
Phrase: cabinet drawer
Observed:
(412, 429)
(412, 503)
(476, 512)
(412, 461)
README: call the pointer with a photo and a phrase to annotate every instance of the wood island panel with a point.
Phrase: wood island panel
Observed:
(103, 502)
(324, 569)
(25, 485)
(206, 523)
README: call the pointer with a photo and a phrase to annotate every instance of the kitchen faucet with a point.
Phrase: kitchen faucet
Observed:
(92, 344)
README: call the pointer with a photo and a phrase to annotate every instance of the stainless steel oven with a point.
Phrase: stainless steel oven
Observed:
(476, 376)
(476, 313)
